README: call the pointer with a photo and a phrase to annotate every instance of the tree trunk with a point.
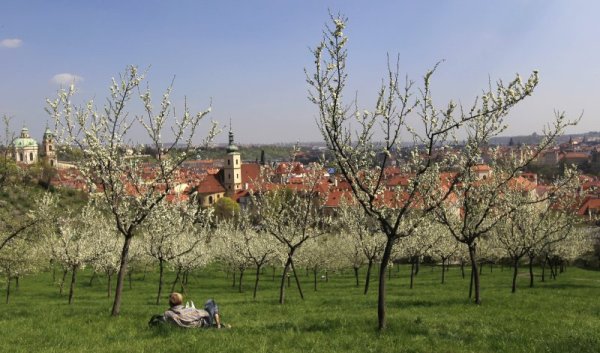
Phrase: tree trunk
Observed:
(73, 281)
(481, 268)
(256, 281)
(417, 265)
(315, 278)
(387, 252)
(94, 275)
(7, 289)
(471, 285)
(356, 275)
(121, 276)
(368, 276)
(297, 279)
(443, 270)
(160, 279)
(17, 283)
(515, 271)
(552, 269)
(283, 277)
(175, 281)
(62, 282)
(412, 273)
(109, 284)
(473, 256)
(240, 281)
(543, 270)
(531, 272)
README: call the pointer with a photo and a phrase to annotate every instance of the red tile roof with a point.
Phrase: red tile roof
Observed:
(591, 204)
(210, 185)
(250, 172)
(334, 198)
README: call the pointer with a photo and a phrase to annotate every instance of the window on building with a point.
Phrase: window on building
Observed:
(210, 200)
(229, 176)
(50, 148)
(237, 161)
(20, 157)
(228, 162)
(31, 157)
(237, 176)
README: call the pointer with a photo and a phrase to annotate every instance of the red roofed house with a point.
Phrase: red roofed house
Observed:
(590, 207)
(575, 157)
(482, 171)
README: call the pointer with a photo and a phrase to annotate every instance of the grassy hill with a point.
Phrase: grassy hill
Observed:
(560, 315)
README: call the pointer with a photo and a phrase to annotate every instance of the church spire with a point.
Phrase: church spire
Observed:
(232, 147)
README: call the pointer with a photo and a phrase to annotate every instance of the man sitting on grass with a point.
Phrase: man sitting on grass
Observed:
(191, 317)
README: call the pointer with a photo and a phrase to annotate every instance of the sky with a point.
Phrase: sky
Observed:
(247, 58)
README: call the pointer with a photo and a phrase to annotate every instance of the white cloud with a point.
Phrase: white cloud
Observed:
(11, 43)
(66, 79)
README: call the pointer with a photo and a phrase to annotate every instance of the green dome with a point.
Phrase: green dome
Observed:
(25, 142)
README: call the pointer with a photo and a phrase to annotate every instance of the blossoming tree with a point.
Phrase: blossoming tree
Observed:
(131, 187)
(363, 142)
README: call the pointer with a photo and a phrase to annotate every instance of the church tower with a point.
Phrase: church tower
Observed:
(48, 148)
(232, 172)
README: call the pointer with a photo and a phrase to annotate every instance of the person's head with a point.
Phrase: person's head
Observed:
(175, 299)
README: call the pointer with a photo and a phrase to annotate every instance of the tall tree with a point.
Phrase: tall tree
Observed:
(363, 142)
(79, 239)
(131, 187)
(292, 214)
(365, 240)
(536, 226)
(247, 246)
(170, 233)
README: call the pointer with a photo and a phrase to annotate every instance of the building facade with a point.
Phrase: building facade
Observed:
(26, 149)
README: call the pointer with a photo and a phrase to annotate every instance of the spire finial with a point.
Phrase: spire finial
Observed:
(232, 147)
(230, 133)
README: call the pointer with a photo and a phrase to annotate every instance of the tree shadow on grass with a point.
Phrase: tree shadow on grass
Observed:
(326, 325)
(569, 286)
(423, 303)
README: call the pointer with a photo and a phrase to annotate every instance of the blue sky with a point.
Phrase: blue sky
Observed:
(249, 56)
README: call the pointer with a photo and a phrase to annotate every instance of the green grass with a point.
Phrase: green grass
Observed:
(560, 315)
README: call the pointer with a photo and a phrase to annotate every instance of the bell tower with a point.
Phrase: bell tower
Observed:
(49, 148)
(232, 176)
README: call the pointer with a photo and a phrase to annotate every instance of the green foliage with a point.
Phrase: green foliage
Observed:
(226, 208)
(555, 316)
(20, 198)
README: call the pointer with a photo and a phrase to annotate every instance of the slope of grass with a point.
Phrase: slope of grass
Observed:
(560, 315)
